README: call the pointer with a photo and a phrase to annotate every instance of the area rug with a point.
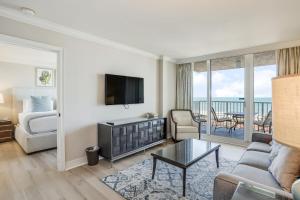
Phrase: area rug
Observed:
(136, 183)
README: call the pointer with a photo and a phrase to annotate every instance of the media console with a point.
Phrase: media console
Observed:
(118, 139)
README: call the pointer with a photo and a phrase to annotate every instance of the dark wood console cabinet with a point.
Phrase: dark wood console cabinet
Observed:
(130, 136)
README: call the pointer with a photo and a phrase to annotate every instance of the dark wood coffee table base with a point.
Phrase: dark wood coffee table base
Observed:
(184, 168)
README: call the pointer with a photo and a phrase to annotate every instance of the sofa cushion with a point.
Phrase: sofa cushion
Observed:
(182, 117)
(286, 167)
(183, 136)
(275, 149)
(187, 129)
(258, 146)
(256, 159)
(257, 175)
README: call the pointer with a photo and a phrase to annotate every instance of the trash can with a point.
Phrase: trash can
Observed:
(92, 154)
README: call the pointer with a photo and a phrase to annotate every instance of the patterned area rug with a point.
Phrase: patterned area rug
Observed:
(136, 183)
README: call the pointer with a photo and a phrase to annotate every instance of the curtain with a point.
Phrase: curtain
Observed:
(184, 86)
(288, 61)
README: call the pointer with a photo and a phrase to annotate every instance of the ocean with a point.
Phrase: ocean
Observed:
(223, 105)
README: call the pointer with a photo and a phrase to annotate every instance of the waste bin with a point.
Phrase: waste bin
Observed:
(92, 154)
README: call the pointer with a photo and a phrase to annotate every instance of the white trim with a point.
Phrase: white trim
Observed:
(45, 24)
(78, 162)
(60, 94)
(208, 87)
(61, 155)
(241, 52)
(249, 94)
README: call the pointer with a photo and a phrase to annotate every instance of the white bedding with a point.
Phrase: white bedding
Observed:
(38, 122)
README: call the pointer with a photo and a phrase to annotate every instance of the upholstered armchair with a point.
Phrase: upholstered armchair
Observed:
(184, 125)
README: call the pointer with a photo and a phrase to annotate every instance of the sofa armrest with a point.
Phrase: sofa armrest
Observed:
(261, 137)
(195, 123)
(225, 185)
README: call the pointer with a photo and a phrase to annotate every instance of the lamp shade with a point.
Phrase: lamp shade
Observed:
(1, 98)
(286, 110)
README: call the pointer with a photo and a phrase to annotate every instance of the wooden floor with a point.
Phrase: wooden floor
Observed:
(35, 177)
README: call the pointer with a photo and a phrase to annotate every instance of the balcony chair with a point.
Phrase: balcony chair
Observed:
(267, 122)
(184, 125)
(220, 122)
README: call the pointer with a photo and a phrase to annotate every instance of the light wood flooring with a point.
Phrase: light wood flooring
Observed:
(35, 177)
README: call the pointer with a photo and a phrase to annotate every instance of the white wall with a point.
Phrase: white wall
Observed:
(167, 89)
(85, 63)
(13, 75)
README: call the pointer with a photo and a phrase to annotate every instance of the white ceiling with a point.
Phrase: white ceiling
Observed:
(27, 56)
(176, 28)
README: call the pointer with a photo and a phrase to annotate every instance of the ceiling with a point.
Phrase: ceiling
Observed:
(176, 28)
(27, 56)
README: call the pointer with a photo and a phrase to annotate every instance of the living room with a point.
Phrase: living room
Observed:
(181, 98)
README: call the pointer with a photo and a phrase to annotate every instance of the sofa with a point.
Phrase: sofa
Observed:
(251, 169)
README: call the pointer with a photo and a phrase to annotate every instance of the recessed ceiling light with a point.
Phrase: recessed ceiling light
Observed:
(27, 11)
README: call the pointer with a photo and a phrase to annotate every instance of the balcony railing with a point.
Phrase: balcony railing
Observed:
(261, 109)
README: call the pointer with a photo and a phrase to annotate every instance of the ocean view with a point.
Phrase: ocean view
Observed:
(223, 105)
(259, 99)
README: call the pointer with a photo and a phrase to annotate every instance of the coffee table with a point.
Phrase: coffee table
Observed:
(248, 192)
(184, 154)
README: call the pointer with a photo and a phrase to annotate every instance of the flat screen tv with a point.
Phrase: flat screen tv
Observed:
(123, 90)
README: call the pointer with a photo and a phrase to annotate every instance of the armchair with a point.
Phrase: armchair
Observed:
(184, 125)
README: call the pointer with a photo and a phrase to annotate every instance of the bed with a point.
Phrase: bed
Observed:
(35, 131)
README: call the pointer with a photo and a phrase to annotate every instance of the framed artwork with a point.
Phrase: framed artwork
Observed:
(45, 77)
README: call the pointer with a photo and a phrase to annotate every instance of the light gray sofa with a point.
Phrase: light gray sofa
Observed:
(252, 168)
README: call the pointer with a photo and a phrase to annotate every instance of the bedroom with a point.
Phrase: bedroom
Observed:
(28, 116)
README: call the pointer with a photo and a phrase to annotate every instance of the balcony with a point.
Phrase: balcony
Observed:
(227, 117)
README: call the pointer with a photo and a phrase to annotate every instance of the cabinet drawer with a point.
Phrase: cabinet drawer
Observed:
(123, 139)
(135, 137)
(116, 148)
(129, 138)
(4, 134)
(5, 123)
(6, 127)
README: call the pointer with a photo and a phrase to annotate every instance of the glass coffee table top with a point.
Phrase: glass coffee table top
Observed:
(186, 152)
(249, 192)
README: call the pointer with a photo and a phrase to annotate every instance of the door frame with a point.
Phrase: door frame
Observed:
(61, 163)
(248, 95)
(249, 102)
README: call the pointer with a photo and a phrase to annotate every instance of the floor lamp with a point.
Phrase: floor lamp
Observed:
(286, 115)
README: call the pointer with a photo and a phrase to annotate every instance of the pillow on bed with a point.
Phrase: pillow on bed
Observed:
(41, 104)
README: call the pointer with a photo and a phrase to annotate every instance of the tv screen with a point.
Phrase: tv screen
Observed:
(123, 90)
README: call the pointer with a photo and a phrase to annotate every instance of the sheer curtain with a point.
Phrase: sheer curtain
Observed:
(184, 86)
(288, 61)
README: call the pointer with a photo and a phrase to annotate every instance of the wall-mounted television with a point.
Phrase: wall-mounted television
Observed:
(123, 90)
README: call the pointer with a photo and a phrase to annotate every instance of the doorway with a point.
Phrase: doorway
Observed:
(58, 51)
(233, 96)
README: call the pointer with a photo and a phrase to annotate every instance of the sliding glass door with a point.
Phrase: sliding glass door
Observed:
(232, 96)
(264, 70)
(200, 100)
(227, 97)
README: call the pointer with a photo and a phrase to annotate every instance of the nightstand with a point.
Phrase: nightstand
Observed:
(6, 130)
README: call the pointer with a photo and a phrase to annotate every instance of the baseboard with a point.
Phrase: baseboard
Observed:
(77, 162)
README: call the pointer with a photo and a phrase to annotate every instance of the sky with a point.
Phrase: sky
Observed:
(230, 82)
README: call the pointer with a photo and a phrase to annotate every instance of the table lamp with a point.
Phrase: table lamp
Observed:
(1, 98)
(286, 115)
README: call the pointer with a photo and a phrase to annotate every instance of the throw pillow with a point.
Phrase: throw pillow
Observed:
(275, 149)
(41, 104)
(286, 167)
